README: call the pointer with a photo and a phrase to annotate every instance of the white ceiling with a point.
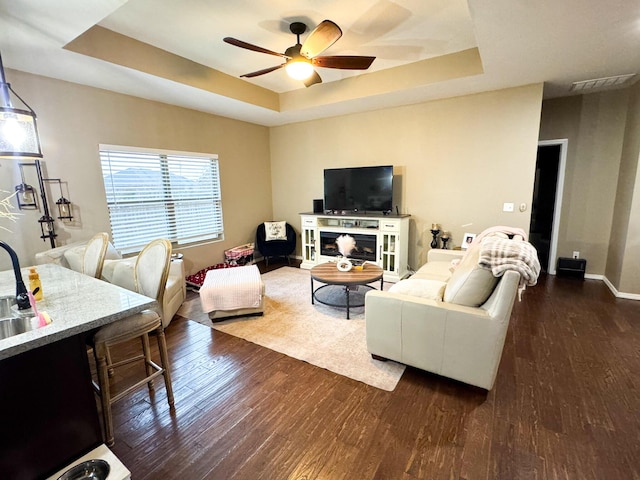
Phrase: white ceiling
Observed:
(519, 42)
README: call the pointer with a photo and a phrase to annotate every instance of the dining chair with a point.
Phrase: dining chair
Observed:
(150, 277)
(94, 253)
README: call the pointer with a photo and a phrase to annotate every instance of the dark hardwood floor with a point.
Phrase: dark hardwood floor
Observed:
(565, 406)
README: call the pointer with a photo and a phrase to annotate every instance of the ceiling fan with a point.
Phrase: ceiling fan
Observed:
(301, 58)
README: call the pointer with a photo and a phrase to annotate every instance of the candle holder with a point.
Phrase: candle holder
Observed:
(434, 242)
(445, 239)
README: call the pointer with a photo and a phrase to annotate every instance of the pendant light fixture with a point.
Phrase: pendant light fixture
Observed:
(18, 130)
(18, 139)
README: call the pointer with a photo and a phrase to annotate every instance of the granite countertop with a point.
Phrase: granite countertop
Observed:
(75, 302)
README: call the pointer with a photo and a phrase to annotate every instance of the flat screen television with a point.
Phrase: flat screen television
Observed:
(358, 189)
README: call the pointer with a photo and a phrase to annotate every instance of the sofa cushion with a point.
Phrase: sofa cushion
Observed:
(120, 272)
(75, 257)
(470, 285)
(431, 289)
(440, 271)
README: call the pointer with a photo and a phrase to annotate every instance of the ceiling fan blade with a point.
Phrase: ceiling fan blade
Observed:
(263, 71)
(345, 62)
(313, 79)
(321, 38)
(255, 48)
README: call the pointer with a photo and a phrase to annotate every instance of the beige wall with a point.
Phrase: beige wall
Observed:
(624, 248)
(74, 119)
(630, 278)
(594, 125)
(456, 161)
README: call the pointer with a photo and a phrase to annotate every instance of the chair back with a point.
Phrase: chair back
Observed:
(152, 269)
(275, 247)
(94, 253)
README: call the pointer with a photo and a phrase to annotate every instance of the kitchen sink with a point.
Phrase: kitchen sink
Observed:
(11, 323)
(14, 326)
(5, 306)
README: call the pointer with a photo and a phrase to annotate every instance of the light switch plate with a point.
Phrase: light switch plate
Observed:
(507, 207)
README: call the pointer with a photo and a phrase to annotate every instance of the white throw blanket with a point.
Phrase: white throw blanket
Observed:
(231, 289)
(499, 255)
(499, 231)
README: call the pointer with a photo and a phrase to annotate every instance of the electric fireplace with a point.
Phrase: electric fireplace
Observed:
(365, 245)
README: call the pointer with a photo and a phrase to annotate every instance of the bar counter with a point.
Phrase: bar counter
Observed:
(75, 302)
(50, 415)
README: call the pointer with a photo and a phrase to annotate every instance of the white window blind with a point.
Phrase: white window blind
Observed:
(161, 195)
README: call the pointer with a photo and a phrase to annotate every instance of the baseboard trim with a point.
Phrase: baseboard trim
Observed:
(617, 294)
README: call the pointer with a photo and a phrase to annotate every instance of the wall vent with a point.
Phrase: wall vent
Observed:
(602, 83)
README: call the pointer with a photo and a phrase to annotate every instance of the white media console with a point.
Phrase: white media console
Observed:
(382, 239)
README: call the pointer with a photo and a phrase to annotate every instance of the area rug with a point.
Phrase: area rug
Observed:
(317, 334)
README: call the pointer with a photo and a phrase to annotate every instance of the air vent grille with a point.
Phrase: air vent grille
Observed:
(602, 83)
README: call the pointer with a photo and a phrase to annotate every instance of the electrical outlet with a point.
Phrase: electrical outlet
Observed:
(507, 207)
(576, 254)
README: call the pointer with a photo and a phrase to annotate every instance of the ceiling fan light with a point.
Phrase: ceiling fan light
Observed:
(299, 69)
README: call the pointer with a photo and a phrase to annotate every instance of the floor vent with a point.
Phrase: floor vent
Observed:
(602, 83)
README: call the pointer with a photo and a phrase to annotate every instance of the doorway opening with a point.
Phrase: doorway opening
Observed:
(547, 201)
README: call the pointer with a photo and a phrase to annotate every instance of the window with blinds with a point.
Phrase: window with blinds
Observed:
(156, 194)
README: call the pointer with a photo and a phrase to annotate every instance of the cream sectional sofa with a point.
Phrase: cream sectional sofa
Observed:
(119, 271)
(449, 322)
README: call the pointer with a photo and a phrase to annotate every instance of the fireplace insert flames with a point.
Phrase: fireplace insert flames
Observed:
(365, 246)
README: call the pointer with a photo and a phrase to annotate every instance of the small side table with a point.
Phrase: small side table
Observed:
(571, 267)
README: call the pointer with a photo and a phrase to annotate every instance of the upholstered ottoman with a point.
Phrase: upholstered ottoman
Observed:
(232, 292)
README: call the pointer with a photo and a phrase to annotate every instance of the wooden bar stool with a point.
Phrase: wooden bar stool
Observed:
(150, 275)
(94, 253)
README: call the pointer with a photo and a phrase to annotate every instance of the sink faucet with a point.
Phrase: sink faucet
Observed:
(22, 298)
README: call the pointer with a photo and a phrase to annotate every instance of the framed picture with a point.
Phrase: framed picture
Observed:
(467, 239)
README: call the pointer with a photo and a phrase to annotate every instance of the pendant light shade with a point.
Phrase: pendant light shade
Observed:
(18, 139)
(18, 134)
(18, 129)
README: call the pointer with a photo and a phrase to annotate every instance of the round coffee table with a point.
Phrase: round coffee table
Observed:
(337, 290)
